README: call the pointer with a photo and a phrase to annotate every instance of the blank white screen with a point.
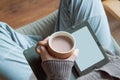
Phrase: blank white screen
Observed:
(89, 51)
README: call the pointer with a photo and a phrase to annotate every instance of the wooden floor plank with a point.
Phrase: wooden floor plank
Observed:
(21, 12)
(113, 7)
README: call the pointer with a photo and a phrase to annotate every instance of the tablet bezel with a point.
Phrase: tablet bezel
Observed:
(97, 65)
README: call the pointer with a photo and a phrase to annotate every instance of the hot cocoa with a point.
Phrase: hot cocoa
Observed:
(62, 44)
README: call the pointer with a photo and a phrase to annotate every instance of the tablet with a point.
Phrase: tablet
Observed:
(91, 54)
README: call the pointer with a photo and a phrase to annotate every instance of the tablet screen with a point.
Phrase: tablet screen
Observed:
(89, 52)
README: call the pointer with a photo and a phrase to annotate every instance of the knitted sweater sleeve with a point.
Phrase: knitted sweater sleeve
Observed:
(57, 70)
(61, 70)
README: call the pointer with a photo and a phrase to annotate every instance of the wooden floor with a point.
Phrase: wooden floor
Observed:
(114, 27)
(20, 12)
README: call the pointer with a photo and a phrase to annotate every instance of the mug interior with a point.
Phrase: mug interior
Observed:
(64, 34)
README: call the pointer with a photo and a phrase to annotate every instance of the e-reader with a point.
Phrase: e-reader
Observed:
(91, 54)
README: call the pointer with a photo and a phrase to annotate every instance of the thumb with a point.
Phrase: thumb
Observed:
(41, 43)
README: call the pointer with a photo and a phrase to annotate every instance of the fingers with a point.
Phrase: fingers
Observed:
(37, 49)
(45, 55)
(43, 50)
(41, 43)
(46, 39)
(74, 55)
(44, 42)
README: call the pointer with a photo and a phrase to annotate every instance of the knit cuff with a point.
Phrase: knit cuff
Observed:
(57, 70)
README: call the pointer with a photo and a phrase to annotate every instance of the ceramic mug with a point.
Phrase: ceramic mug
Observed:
(60, 45)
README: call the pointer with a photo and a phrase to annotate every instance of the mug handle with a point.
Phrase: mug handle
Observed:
(40, 43)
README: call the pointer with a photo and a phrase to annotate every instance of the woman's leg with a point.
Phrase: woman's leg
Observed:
(72, 12)
(13, 64)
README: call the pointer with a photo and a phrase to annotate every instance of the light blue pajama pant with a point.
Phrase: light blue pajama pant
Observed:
(71, 12)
